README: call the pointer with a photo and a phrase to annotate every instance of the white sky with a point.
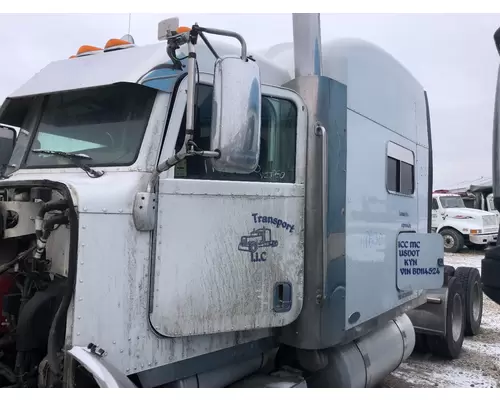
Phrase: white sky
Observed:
(453, 56)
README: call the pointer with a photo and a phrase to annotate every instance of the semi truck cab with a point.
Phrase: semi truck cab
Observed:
(186, 214)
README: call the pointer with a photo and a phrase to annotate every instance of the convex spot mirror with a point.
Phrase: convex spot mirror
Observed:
(236, 118)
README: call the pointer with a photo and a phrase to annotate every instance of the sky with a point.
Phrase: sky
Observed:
(452, 55)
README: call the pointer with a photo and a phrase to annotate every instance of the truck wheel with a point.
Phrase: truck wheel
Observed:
(450, 345)
(453, 240)
(252, 247)
(470, 280)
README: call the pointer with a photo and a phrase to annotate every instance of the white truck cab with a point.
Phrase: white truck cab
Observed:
(461, 226)
(184, 214)
(479, 197)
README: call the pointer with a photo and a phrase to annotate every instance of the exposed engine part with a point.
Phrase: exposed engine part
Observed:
(46, 378)
(5, 267)
(22, 196)
(16, 218)
(33, 300)
(7, 373)
(366, 361)
(20, 288)
(41, 195)
(33, 329)
(42, 229)
(7, 282)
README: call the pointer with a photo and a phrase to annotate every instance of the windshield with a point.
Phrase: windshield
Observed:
(107, 124)
(452, 202)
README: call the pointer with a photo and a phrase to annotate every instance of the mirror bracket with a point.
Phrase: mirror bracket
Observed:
(174, 41)
(189, 149)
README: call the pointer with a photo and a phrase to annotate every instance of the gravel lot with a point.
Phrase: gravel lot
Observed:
(479, 363)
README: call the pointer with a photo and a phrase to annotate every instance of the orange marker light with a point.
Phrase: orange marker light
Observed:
(72, 57)
(87, 49)
(116, 42)
(183, 29)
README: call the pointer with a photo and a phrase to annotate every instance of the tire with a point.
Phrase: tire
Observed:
(470, 280)
(477, 247)
(449, 272)
(450, 345)
(453, 240)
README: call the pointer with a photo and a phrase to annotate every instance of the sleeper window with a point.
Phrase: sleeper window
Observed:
(400, 169)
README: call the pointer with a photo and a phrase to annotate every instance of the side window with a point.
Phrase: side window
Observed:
(435, 205)
(277, 146)
(400, 175)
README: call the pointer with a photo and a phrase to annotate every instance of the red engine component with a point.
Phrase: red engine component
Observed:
(7, 282)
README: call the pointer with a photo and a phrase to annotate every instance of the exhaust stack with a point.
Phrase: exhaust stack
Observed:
(307, 44)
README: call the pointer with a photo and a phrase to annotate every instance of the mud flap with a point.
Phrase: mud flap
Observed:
(430, 317)
(104, 373)
(490, 274)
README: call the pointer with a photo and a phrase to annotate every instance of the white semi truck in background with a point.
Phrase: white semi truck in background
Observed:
(141, 175)
(460, 225)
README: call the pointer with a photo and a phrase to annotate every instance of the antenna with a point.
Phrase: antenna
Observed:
(128, 37)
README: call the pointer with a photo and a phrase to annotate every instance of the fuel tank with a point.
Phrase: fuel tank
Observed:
(368, 360)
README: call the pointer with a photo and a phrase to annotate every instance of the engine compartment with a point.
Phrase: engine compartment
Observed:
(36, 284)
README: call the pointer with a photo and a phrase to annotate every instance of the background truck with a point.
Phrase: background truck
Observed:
(461, 226)
(478, 196)
(138, 169)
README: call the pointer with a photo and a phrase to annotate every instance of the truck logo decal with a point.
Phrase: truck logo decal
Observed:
(262, 237)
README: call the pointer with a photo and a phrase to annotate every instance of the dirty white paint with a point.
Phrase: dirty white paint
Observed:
(218, 272)
(479, 363)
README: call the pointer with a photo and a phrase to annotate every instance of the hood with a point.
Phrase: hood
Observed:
(472, 212)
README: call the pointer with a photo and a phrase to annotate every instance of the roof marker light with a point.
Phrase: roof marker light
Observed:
(117, 44)
(183, 29)
(87, 50)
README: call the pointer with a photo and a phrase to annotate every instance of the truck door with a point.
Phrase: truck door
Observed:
(229, 248)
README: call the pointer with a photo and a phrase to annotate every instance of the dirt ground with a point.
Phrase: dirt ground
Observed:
(479, 363)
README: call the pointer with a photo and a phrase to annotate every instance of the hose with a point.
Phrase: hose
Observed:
(43, 232)
(56, 205)
(5, 267)
(59, 219)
